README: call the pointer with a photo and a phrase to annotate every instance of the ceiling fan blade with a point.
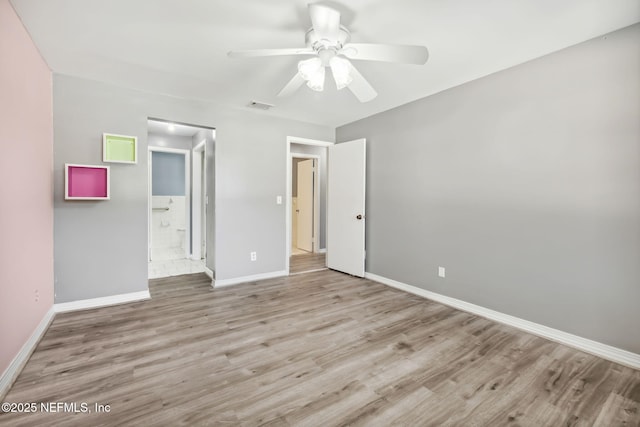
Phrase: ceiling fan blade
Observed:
(293, 85)
(403, 54)
(269, 52)
(360, 86)
(325, 21)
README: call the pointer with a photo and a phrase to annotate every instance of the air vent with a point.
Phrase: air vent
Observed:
(260, 105)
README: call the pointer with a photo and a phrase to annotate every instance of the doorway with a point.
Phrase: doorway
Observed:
(342, 211)
(170, 206)
(181, 184)
(306, 205)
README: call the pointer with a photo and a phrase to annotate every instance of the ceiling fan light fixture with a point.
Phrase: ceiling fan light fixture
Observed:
(316, 82)
(340, 71)
(309, 68)
(326, 39)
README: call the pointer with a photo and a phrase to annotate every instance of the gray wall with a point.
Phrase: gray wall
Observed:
(322, 152)
(167, 174)
(524, 184)
(100, 248)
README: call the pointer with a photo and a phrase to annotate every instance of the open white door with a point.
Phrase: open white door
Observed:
(305, 206)
(345, 207)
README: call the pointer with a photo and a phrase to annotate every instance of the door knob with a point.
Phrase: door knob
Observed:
(359, 217)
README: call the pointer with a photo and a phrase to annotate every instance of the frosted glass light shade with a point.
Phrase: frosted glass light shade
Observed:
(340, 71)
(316, 82)
(309, 68)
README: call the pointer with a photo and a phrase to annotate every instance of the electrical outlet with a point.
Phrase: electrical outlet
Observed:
(254, 256)
(278, 200)
(441, 271)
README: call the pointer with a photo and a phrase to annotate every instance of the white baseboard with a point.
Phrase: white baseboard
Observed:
(244, 279)
(208, 272)
(322, 250)
(101, 302)
(15, 367)
(604, 351)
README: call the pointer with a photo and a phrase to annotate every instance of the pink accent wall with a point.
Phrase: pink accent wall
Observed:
(26, 186)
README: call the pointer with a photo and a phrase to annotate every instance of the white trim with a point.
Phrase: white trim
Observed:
(200, 145)
(101, 302)
(197, 155)
(15, 367)
(307, 141)
(604, 351)
(322, 250)
(208, 272)
(201, 148)
(168, 149)
(252, 278)
(149, 205)
(287, 208)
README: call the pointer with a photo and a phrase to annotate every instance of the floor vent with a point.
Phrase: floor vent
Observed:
(260, 105)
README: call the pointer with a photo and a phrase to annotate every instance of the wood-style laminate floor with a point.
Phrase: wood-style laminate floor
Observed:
(316, 349)
(307, 262)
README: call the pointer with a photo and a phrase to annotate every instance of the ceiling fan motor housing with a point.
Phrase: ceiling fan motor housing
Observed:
(316, 43)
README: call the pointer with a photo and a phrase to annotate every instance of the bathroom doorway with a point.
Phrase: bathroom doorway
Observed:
(170, 204)
(181, 184)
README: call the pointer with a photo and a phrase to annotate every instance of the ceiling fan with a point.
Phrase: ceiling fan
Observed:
(329, 44)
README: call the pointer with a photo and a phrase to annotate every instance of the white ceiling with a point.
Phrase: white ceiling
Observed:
(179, 47)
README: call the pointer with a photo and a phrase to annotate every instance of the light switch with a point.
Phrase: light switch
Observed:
(278, 200)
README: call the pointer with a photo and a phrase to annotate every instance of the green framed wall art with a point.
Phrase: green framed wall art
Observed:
(119, 148)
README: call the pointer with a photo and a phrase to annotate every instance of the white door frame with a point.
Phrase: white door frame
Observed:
(187, 191)
(198, 206)
(287, 237)
(316, 195)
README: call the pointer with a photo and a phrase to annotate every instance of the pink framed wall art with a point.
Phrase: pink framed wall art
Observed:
(86, 182)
